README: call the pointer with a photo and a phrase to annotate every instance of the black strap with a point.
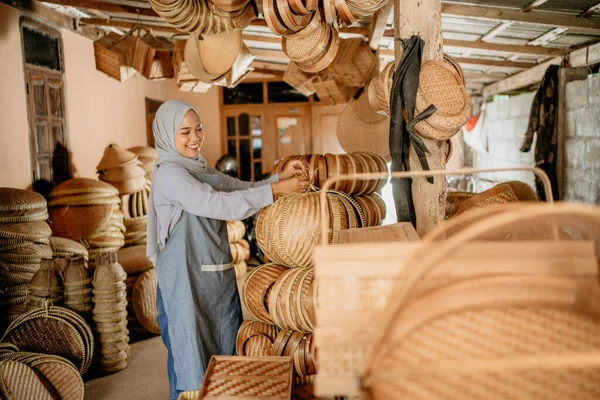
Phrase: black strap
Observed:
(402, 134)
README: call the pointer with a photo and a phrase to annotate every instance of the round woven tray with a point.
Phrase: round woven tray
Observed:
(30, 231)
(144, 301)
(19, 381)
(12, 199)
(83, 186)
(38, 214)
(133, 260)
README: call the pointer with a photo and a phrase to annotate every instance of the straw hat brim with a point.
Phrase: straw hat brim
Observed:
(12, 199)
(360, 128)
(115, 156)
(120, 174)
(82, 186)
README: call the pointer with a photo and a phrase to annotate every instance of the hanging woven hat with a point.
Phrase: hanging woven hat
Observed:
(115, 156)
(441, 85)
(360, 128)
(83, 186)
(211, 58)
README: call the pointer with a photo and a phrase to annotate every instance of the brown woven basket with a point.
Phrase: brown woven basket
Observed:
(76, 222)
(12, 199)
(255, 339)
(37, 231)
(19, 381)
(133, 260)
(495, 196)
(144, 301)
(256, 287)
(248, 377)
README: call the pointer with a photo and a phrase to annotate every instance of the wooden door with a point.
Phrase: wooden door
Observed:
(49, 147)
(291, 129)
(151, 109)
(244, 137)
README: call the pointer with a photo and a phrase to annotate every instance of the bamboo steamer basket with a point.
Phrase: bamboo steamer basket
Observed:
(255, 339)
(256, 289)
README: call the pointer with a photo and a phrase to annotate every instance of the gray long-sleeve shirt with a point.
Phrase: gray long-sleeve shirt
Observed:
(216, 196)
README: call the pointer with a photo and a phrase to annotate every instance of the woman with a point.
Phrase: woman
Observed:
(199, 309)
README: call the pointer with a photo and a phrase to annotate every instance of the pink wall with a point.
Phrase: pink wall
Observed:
(15, 163)
(100, 110)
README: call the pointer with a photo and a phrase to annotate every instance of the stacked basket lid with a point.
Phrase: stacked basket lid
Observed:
(442, 84)
(200, 16)
(147, 156)
(239, 247)
(87, 211)
(25, 375)
(122, 169)
(56, 331)
(71, 259)
(141, 287)
(24, 238)
(110, 313)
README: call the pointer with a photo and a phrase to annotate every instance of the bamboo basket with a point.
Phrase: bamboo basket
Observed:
(354, 63)
(255, 339)
(114, 55)
(331, 92)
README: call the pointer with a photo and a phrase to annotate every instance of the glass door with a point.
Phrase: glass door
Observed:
(244, 130)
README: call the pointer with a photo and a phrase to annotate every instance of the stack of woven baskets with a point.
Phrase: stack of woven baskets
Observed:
(123, 170)
(45, 286)
(87, 211)
(239, 247)
(24, 238)
(110, 313)
(147, 156)
(141, 286)
(71, 260)
(53, 331)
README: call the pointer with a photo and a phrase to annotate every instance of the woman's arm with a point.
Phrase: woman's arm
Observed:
(232, 184)
(175, 185)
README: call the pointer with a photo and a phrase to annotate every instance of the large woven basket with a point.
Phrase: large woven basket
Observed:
(114, 55)
(257, 286)
(293, 300)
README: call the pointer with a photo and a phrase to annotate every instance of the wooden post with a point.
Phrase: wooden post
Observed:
(424, 17)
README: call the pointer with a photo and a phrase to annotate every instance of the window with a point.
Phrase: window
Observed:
(42, 54)
(244, 141)
(244, 93)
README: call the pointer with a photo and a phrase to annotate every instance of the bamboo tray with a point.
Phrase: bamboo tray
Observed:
(229, 377)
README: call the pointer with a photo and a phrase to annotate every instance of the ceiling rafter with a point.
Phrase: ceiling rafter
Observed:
(532, 5)
(377, 28)
(593, 9)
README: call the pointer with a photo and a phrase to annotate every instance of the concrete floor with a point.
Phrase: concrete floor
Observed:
(145, 378)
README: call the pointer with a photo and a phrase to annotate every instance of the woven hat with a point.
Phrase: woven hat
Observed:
(82, 186)
(115, 156)
(144, 301)
(144, 152)
(120, 174)
(211, 59)
(523, 191)
(34, 231)
(130, 186)
(63, 247)
(77, 222)
(360, 128)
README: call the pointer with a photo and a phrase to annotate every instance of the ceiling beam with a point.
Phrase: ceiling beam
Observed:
(106, 7)
(492, 33)
(477, 76)
(377, 27)
(269, 66)
(493, 63)
(534, 17)
(270, 54)
(548, 37)
(268, 71)
(261, 39)
(593, 9)
(504, 48)
(532, 5)
(128, 25)
(578, 58)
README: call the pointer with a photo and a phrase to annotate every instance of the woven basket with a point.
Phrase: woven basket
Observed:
(299, 79)
(248, 377)
(144, 301)
(400, 232)
(19, 381)
(76, 222)
(300, 347)
(114, 55)
(12, 199)
(235, 231)
(37, 231)
(53, 330)
(495, 196)
(331, 92)
(292, 300)
(133, 260)
(354, 63)
(255, 339)
(523, 191)
(241, 268)
(255, 290)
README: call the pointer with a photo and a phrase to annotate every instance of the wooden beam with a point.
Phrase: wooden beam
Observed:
(39, 11)
(261, 39)
(492, 33)
(425, 18)
(593, 9)
(270, 54)
(505, 48)
(478, 76)
(128, 25)
(269, 66)
(268, 71)
(535, 17)
(532, 5)
(105, 6)
(578, 58)
(548, 37)
(493, 63)
(377, 28)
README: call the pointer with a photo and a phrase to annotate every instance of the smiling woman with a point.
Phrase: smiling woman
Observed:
(190, 136)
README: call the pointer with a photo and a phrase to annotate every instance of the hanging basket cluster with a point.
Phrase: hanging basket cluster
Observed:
(24, 238)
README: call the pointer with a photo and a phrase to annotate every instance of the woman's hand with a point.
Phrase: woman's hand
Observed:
(296, 184)
(293, 168)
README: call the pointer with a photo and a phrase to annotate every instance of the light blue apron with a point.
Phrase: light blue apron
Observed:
(198, 290)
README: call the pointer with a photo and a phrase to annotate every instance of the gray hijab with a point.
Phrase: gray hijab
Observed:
(167, 121)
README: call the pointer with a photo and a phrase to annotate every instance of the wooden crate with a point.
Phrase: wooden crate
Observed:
(356, 280)
(114, 55)
(230, 377)
(300, 80)
(331, 92)
(159, 60)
